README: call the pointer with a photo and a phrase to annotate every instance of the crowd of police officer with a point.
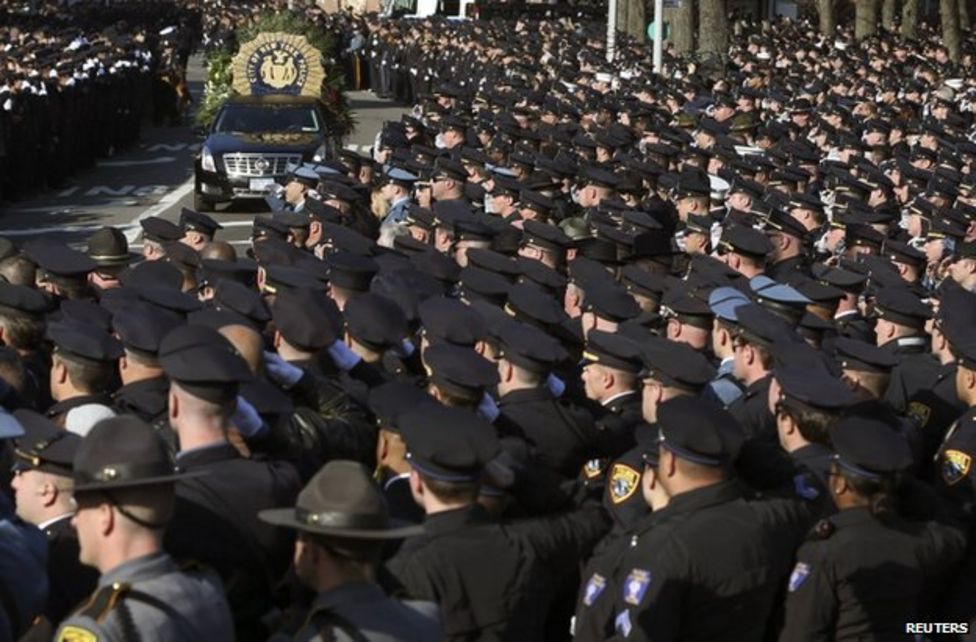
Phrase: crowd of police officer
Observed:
(577, 351)
(77, 82)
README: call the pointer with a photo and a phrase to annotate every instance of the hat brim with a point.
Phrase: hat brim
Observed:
(117, 260)
(285, 518)
(136, 483)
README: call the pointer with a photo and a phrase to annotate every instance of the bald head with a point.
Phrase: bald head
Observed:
(249, 343)
(220, 250)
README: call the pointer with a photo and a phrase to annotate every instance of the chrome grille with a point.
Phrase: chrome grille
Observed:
(260, 164)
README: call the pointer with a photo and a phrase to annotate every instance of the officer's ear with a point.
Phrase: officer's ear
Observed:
(48, 493)
(276, 340)
(751, 355)
(173, 405)
(60, 371)
(674, 329)
(123, 363)
(481, 347)
(969, 378)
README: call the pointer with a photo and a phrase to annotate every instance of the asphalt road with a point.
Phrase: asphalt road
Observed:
(155, 179)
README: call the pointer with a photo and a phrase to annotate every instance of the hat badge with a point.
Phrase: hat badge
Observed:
(108, 473)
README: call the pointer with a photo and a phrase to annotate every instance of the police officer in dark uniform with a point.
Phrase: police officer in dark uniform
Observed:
(788, 261)
(22, 326)
(206, 373)
(610, 378)
(83, 373)
(807, 400)
(757, 330)
(862, 572)
(900, 330)
(42, 488)
(144, 393)
(731, 600)
(562, 435)
(492, 581)
(935, 408)
(387, 403)
(198, 229)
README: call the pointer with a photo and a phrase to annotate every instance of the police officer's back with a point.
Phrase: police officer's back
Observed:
(861, 573)
(487, 581)
(215, 520)
(123, 485)
(704, 567)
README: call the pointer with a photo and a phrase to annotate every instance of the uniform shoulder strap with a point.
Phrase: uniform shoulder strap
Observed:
(102, 601)
(325, 622)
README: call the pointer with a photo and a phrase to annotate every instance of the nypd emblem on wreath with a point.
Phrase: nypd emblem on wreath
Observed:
(278, 63)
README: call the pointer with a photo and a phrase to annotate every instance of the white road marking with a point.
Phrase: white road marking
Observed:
(162, 160)
(29, 231)
(133, 229)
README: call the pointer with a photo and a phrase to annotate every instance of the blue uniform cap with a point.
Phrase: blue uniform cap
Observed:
(767, 288)
(724, 301)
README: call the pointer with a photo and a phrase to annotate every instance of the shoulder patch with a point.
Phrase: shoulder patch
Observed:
(593, 468)
(76, 634)
(955, 466)
(624, 481)
(803, 488)
(594, 586)
(799, 575)
(635, 586)
(919, 413)
(622, 624)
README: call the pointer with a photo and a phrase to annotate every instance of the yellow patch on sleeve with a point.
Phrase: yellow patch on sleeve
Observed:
(955, 466)
(919, 413)
(624, 481)
(76, 634)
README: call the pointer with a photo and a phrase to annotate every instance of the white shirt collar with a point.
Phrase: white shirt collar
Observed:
(48, 522)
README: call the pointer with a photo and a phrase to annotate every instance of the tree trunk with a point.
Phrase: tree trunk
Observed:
(713, 29)
(828, 19)
(631, 19)
(909, 18)
(888, 14)
(949, 10)
(865, 18)
(964, 15)
(682, 20)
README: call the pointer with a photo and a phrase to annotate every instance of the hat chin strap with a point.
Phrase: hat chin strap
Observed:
(155, 526)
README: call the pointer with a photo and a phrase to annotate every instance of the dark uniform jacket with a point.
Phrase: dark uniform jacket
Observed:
(616, 424)
(858, 578)
(933, 409)
(762, 463)
(399, 498)
(492, 581)
(58, 413)
(563, 436)
(677, 580)
(792, 271)
(917, 370)
(146, 399)
(215, 523)
(69, 581)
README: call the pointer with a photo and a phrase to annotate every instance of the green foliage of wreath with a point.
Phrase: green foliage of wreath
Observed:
(218, 87)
